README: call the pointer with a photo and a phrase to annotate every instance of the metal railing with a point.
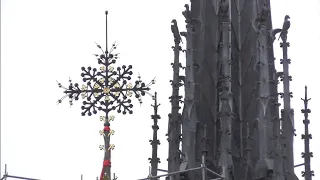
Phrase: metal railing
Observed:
(6, 175)
(202, 167)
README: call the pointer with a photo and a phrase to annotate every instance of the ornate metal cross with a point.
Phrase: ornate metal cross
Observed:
(106, 89)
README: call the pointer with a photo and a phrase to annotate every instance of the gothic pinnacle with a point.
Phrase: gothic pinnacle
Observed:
(307, 155)
(154, 160)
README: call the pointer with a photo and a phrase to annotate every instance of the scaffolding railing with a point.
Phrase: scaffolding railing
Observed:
(6, 175)
(202, 167)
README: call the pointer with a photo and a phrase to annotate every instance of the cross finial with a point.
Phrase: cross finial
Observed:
(106, 89)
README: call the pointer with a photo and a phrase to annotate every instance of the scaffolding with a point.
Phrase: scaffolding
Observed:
(6, 175)
(203, 169)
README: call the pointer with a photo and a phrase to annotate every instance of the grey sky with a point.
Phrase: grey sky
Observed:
(47, 40)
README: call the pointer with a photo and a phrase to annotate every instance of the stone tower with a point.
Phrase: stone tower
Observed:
(231, 88)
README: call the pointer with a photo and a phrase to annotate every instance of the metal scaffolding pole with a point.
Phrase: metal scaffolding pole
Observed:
(183, 171)
(6, 175)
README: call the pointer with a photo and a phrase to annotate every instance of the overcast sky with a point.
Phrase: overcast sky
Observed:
(47, 40)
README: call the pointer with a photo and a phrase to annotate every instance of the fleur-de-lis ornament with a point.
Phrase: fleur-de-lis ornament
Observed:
(103, 68)
(111, 68)
(129, 93)
(101, 132)
(111, 118)
(111, 80)
(102, 118)
(102, 80)
(101, 147)
(111, 132)
(111, 147)
(84, 88)
(107, 98)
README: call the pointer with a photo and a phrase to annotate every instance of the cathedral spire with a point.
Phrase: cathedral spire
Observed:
(307, 155)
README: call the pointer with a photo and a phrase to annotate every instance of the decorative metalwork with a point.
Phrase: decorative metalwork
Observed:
(101, 147)
(101, 132)
(111, 147)
(106, 89)
(111, 132)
